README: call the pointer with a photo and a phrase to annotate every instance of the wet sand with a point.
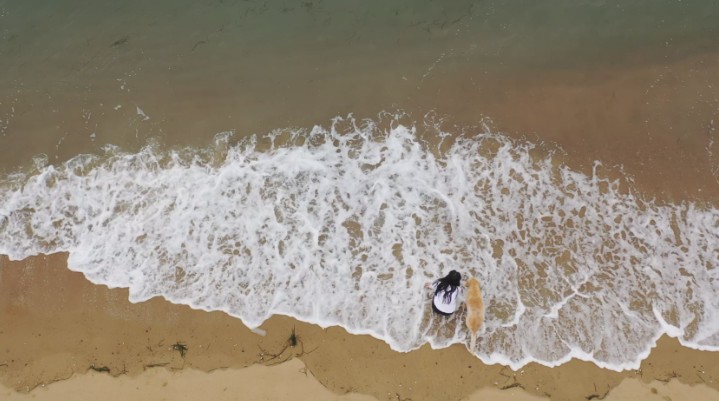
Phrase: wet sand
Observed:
(56, 324)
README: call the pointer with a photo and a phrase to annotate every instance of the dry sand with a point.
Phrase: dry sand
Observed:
(55, 324)
(288, 381)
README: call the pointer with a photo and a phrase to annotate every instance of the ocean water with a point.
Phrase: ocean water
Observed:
(320, 160)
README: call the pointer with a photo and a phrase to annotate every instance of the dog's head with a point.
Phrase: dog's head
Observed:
(473, 284)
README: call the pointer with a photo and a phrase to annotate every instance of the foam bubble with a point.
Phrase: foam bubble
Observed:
(344, 226)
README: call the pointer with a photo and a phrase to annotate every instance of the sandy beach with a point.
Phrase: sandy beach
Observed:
(291, 381)
(87, 333)
(73, 342)
(175, 74)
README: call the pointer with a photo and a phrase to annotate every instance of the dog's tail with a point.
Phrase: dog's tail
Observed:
(472, 341)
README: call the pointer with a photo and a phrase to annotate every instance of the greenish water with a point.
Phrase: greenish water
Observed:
(80, 74)
(545, 33)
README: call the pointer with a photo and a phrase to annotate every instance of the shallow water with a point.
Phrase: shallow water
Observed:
(78, 75)
(311, 222)
(344, 226)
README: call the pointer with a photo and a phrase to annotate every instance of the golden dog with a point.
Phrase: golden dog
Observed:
(475, 310)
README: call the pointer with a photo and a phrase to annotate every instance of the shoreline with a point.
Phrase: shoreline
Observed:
(83, 327)
(626, 96)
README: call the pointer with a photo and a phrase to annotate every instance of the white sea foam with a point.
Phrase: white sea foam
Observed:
(345, 226)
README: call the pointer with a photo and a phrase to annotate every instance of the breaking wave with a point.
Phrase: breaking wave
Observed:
(344, 225)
